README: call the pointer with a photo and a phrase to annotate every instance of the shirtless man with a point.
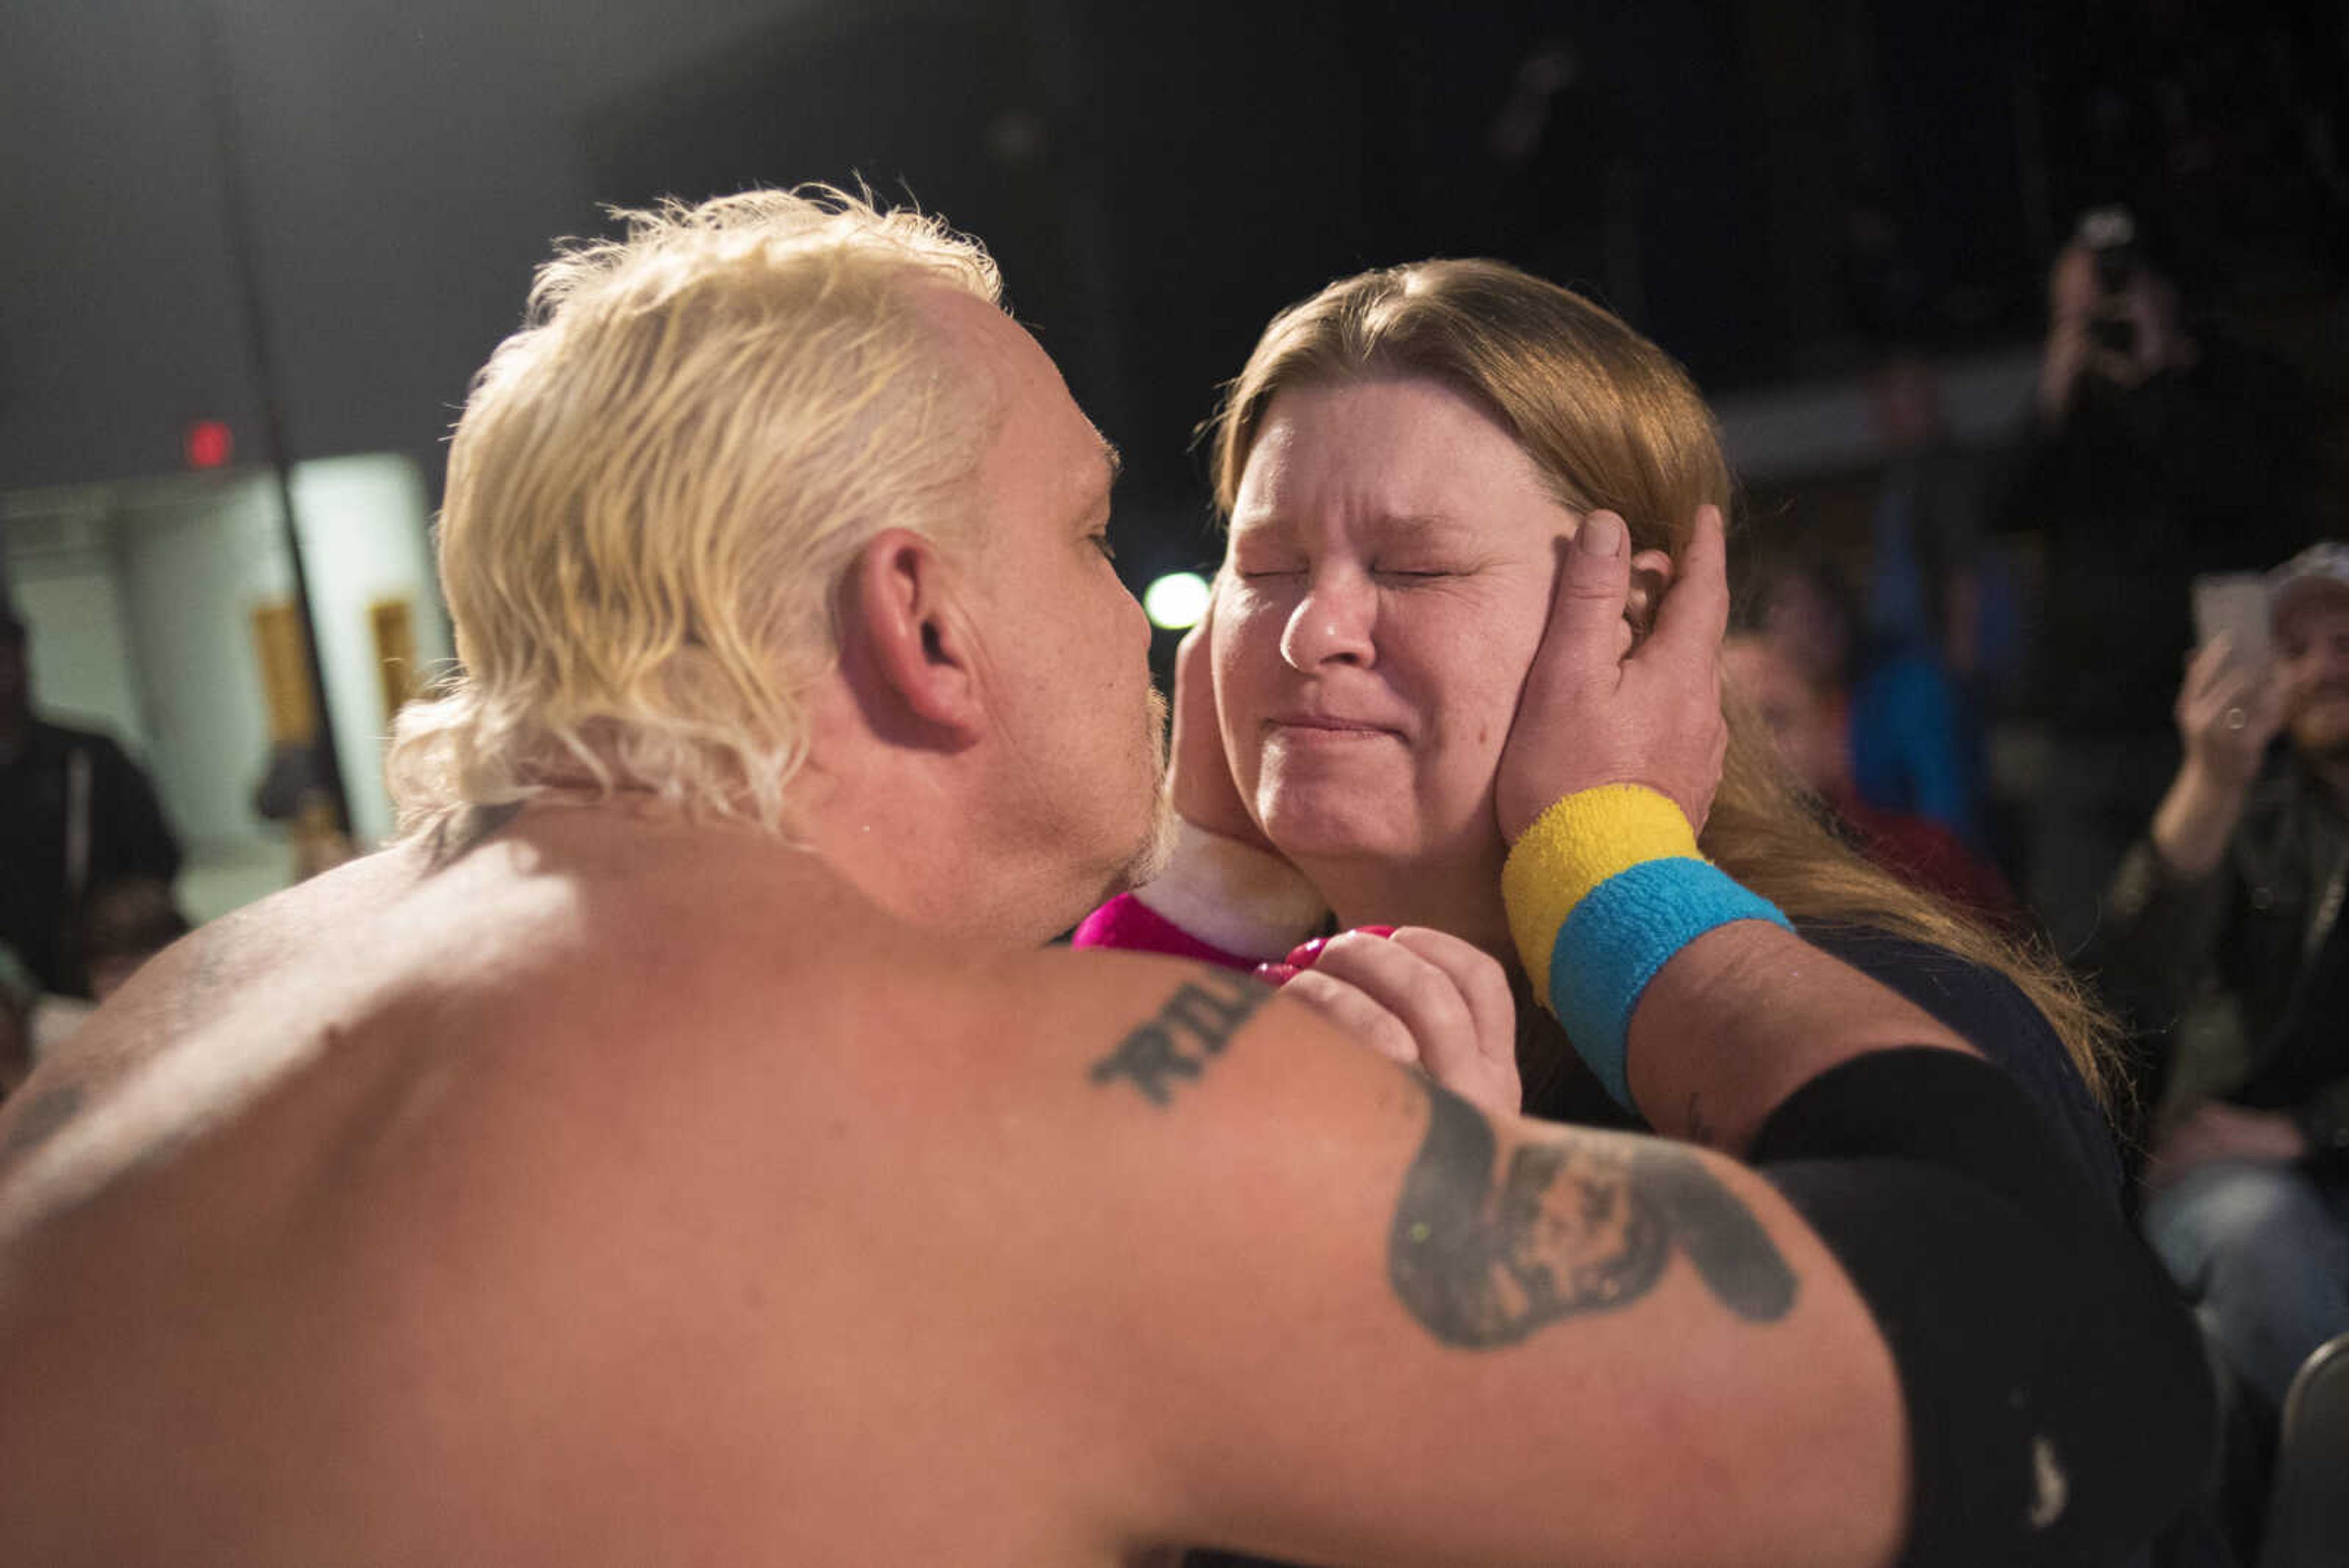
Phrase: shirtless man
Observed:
(677, 1150)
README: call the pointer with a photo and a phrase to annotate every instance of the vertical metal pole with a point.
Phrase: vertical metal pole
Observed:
(220, 103)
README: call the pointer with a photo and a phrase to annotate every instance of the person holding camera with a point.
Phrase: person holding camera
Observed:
(2235, 894)
(2158, 448)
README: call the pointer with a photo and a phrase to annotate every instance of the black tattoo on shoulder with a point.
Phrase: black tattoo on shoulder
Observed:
(1575, 1227)
(1198, 1021)
(40, 1119)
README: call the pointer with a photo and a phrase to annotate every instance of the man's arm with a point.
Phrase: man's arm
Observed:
(1744, 1015)
(1463, 1337)
(1877, 1123)
(1468, 1339)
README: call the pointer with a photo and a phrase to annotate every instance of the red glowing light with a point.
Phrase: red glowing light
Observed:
(210, 443)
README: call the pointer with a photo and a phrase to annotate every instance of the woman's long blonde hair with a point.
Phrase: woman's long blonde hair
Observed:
(1611, 422)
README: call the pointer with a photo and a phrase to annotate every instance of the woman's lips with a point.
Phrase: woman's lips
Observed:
(1316, 727)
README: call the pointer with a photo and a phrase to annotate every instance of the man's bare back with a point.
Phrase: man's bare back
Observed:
(617, 1193)
(474, 1213)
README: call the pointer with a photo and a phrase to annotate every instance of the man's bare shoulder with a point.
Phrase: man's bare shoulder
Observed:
(554, 972)
(1099, 1035)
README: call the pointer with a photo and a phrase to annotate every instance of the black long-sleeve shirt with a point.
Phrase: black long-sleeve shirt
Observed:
(47, 865)
(2264, 927)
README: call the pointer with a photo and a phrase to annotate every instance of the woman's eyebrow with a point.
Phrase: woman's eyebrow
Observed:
(1385, 528)
(1422, 527)
(1259, 521)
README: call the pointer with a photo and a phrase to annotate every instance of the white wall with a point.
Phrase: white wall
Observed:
(140, 598)
(193, 572)
(1825, 427)
(79, 644)
(364, 525)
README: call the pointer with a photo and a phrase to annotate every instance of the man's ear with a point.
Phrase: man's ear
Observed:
(1652, 574)
(908, 644)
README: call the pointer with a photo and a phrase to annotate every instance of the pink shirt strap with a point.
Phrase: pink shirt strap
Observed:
(1128, 924)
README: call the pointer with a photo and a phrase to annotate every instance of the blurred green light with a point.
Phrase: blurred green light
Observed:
(1176, 600)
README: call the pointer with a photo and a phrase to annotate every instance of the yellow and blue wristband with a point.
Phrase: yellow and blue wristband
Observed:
(1602, 890)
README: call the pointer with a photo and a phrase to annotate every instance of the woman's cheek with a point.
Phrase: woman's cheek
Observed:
(1247, 650)
(1236, 657)
(1514, 640)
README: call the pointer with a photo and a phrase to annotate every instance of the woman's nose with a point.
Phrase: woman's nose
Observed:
(1331, 624)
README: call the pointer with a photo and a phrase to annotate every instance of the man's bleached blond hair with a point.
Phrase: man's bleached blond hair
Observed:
(658, 484)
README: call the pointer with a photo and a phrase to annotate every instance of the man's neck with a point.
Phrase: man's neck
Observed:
(907, 843)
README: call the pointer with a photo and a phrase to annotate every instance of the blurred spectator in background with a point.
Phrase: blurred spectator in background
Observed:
(1927, 530)
(2233, 899)
(18, 992)
(2159, 449)
(1808, 725)
(119, 928)
(1908, 746)
(76, 814)
(297, 792)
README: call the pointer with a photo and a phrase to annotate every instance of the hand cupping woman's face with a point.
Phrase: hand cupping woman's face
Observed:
(1391, 558)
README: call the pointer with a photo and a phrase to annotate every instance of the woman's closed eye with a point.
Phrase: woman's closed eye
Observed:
(1412, 571)
(1400, 576)
(1266, 567)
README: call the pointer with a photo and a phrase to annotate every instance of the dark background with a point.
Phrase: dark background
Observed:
(341, 201)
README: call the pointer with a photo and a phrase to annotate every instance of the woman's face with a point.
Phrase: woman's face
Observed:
(1393, 552)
